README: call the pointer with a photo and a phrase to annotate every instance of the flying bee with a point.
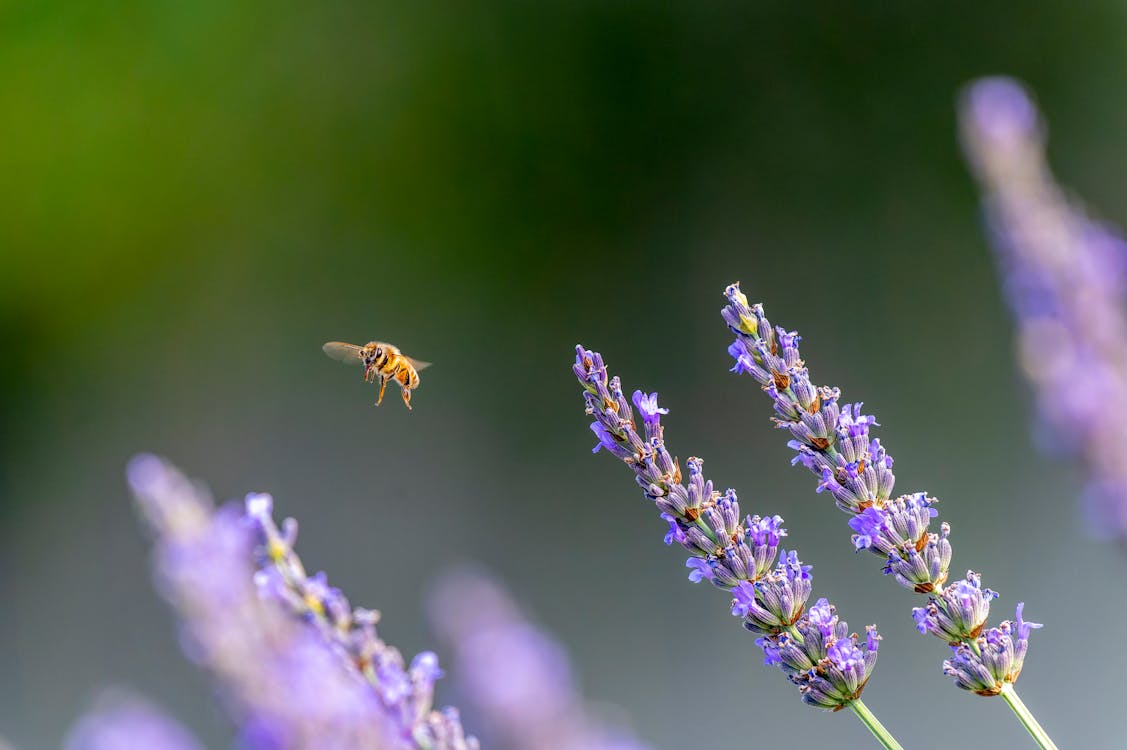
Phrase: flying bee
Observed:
(382, 362)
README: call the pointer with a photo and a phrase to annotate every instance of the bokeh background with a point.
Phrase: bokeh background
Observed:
(194, 196)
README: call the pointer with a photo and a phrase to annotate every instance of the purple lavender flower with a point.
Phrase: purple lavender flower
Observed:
(959, 612)
(121, 722)
(833, 442)
(405, 692)
(647, 406)
(282, 684)
(514, 673)
(289, 685)
(1065, 276)
(776, 600)
(822, 658)
(737, 554)
(993, 659)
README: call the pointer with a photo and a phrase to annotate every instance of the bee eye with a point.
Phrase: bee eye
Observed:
(379, 351)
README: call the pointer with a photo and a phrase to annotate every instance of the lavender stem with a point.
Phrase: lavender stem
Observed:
(869, 720)
(1036, 731)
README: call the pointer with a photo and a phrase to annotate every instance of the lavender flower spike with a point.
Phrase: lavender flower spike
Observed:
(1065, 276)
(405, 692)
(833, 442)
(815, 649)
(515, 675)
(286, 683)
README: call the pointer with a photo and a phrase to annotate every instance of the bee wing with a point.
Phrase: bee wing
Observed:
(418, 364)
(342, 352)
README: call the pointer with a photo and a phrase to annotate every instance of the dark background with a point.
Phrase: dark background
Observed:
(194, 196)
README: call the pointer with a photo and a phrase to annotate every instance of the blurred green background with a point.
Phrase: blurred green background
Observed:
(194, 196)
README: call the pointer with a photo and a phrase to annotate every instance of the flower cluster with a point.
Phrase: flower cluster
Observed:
(959, 612)
(405, 692)
(770, 586)
(993, 659)
(844, 665)
(1065, 277)
(832, 441)
(284, 682)
(516, 675)
(897, 529)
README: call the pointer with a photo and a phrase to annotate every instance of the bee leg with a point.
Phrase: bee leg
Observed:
(383, 384)
(407, 397)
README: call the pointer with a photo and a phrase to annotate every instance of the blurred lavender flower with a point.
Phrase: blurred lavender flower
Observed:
(285, 683)
(1065, 276)
(120, 722)
(832, 441)
(405, 692)
(516, 675)
(736, 554)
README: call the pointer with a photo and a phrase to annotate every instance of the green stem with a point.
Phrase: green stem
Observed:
(704, 527)
(793, 631)
(868, 719)
(1039, 735)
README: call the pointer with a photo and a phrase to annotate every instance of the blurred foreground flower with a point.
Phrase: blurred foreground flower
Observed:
(515, 674)
(1065, 276)
(125, 722)
(812, 646)
(405, 693)
(290, 682)
(832, 441)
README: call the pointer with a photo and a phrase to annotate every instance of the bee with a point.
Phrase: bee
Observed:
(382, 362)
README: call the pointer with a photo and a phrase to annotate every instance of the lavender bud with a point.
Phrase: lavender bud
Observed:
(829, 665)
(959, 612)
(993, 659)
